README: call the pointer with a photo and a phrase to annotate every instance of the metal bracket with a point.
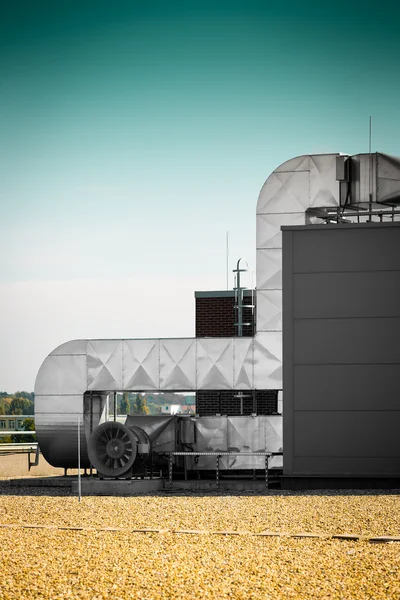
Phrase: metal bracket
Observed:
(36, 461)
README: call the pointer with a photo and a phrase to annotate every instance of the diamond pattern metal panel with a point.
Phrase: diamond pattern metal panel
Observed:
(253, 435)
(268, 360)
(269, 269)
(271, 187)
(269, 310)
(214, 363)
(211, 436)
(65, 374)
(178, 364)
(269, 233)
(241, 434)
(141, 364)
(286, 192)
(246, 435)
(243, 363)
(104, 364)
(274, 433)
(324, 189)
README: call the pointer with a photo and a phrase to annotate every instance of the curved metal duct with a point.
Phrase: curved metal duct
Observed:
(302, 190)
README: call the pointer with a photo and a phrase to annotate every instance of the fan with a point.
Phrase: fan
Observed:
(112, 449)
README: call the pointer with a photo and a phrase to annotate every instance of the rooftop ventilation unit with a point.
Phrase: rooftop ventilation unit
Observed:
(76, 378)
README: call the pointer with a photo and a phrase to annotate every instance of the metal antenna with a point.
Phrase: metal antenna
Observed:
(370, 170)
(227, 260)
(370, 135)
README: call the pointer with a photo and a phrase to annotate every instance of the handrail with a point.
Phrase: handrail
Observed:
(16, 432)
(266, 454)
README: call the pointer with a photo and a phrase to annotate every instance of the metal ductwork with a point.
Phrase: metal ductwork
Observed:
(368, 181)
(305, 189)
(112, 449)
(143, 443)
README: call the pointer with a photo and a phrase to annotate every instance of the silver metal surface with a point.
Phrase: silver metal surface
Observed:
(300, 184)
(153, 425)
(141, 364)
(388, 179)
(243, 351)
(177, 364)
(214, 363)
(239, 435)
(18, 448)
(302, 190)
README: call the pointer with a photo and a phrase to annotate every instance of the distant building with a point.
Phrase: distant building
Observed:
(170, 409)
(10, 423)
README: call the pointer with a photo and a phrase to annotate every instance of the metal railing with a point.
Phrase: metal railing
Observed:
(16, 432)
(18, 448)
(218, 455)
(28, 448)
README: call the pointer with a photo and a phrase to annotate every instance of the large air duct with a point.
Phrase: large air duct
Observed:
(305, 189)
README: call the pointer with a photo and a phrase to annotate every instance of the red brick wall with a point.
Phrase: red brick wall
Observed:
(216, 317)
(225, 402)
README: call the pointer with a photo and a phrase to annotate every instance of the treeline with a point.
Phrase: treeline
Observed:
(20, 403)
(131, 403)
(128, 403)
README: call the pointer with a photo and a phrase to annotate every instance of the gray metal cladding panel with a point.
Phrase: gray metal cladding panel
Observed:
(160, 429)
(364, 249)
(58, 404)
(62, 374)
(357, 434)
(347, 387)
(336, 295)
(346, 341)
(61, 450)
(241, 434)
(339, 466)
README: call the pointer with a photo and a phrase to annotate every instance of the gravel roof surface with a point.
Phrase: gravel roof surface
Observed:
(202, 545)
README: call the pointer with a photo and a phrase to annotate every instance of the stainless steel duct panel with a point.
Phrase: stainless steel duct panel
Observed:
(388, 179)
(372, 179)
(234, 434)
(295, 187)
(59, 388)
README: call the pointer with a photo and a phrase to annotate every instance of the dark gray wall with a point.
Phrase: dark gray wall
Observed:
(341, 350)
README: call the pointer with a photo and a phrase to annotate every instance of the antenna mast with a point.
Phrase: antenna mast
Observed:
(370, 170)
(227, 260)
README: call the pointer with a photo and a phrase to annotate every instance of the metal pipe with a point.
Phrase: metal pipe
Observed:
(79, 460)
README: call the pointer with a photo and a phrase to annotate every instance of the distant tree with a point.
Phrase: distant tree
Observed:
(154, 409)
(21, 406)
(139, 406)
(5, 439)
(5, 402)
(28, 425)
(28, 395)
(124, 404)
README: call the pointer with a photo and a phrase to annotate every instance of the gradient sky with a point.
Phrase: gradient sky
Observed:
(135, 134)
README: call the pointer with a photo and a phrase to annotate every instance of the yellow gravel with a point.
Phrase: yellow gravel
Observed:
(51, 563)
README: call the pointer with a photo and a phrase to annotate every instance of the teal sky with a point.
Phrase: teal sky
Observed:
(135, 134)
